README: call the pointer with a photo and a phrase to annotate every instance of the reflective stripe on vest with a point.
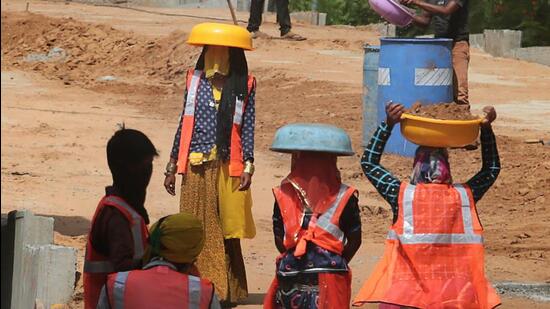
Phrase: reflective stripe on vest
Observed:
(107, 266)
(409, 237)
(118, 289)
(191, 101)
(236, 164)
(324, 221)
(239, 111)
(194, 292)
(136, 226)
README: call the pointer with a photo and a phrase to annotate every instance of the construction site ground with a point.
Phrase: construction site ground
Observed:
(58, 114)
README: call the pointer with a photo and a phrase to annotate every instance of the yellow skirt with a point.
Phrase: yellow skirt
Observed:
(235, 206)
(209, 193)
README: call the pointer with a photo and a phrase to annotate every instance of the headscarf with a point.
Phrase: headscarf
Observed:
(431, 165)
(216, 60)
(129, 155)
(177, 238)
(236, 86)
(316, 178)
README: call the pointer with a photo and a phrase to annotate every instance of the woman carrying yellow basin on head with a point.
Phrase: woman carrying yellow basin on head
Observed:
(434, 254)
(213, 150)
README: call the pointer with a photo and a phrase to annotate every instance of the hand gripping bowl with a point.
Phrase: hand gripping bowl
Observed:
(439, 133)
(392, 11)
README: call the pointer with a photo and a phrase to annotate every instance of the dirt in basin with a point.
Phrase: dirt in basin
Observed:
(443, 111)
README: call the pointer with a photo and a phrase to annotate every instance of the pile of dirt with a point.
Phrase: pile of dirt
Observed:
(91, 52)
(443, 111)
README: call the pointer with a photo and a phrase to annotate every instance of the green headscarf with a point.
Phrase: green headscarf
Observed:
(177, 238)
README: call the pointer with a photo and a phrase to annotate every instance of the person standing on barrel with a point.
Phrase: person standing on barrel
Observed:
(449, 19)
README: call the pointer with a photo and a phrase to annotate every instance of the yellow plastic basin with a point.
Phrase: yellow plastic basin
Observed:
(221, 35)
(439, 133)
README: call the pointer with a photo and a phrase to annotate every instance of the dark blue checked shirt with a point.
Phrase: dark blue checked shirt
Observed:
(388, 185)
(204, 131)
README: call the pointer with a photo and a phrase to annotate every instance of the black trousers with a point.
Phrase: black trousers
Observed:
(283, 15)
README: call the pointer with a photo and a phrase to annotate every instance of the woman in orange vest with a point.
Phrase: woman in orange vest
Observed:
(316, 221)
(213, 150)
(118, 236)
(434, 250)
(167, 280)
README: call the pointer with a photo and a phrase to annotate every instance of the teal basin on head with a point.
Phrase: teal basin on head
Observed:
(312, 137)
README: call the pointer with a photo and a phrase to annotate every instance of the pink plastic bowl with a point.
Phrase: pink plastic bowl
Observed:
(392, 11)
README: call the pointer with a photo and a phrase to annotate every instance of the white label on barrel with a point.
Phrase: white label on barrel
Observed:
(384, 76)
(433, 77)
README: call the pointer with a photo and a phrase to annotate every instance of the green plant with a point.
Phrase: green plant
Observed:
(530, 16)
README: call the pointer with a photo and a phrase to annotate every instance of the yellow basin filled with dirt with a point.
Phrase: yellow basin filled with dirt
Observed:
(439, 133)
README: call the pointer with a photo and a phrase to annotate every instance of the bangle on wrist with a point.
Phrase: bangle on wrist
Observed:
(249, 168)
(171, 168)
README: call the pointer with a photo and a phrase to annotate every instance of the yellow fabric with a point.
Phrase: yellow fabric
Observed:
(235, 206)
(216, 60)
(181, 238)
(217, 95)
(198, 158)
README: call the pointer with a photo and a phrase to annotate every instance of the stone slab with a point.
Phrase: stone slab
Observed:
(41, 270)
(500, 43)
(477, 40)
(56, 269)
(537, 54)
(310, 18)
(30, 230)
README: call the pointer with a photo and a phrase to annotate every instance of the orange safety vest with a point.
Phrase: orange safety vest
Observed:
(97, 266)
(434, 253)
(323, 228)
(236, 164)
(158, 285)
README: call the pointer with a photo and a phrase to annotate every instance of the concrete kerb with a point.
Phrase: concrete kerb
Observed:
(40, 269)
(507, 43)
(477, 40)
(538, 54)
(309, 17)
(55, 273)
(499, 43)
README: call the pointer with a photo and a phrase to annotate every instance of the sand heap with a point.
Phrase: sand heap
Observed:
(88, 52)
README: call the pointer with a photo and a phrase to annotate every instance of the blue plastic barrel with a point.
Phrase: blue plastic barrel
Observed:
(370, 91)
(413, 70)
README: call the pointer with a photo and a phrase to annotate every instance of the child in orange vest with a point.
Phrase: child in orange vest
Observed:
(118, 234)
(167, 280)
(316, 224)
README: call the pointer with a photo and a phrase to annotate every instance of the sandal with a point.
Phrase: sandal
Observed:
(292, 37)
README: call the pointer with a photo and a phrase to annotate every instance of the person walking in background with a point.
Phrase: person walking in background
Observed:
(168, 280)
(213, 150)
(283, 18)
(434, 254)
(316, 226)
(449, 19)
(118, 235)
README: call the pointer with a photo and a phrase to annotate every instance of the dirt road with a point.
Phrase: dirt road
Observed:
(58, 115)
